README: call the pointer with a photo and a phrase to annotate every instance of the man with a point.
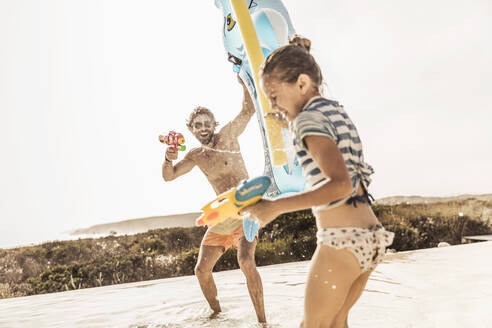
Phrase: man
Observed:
(220, 159)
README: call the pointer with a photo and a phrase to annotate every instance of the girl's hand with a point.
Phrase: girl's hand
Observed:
(265, 210)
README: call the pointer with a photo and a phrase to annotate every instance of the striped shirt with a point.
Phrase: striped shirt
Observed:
(327, 118)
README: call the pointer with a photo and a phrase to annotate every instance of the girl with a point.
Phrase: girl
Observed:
(351, 241)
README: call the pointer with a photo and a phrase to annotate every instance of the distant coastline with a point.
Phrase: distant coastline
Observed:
(117, 228)
(394, 200)
(132, 226)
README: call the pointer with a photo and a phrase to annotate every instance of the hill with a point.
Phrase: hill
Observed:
(393, 200)
(132, 226)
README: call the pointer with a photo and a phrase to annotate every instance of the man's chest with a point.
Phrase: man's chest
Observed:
(217, 162)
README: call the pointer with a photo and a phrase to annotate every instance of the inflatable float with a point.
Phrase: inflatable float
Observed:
(252, 29)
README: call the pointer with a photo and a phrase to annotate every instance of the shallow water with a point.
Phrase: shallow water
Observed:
(445, 287)
(175, 302)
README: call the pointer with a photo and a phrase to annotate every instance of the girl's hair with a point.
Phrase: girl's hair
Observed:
(288, 62)
(198, 111)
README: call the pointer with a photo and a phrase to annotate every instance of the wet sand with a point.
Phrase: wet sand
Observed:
(438, 287)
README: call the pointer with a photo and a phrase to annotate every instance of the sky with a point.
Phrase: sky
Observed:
(86, 87)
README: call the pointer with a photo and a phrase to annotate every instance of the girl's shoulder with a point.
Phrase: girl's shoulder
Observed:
(321, 103)
(318, 109)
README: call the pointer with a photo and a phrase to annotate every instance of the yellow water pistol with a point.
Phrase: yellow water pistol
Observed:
(228, 204)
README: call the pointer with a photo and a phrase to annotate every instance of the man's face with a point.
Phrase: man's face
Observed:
(203, 128)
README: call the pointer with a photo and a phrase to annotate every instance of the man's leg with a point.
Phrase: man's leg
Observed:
(246, 259)
(207, 258)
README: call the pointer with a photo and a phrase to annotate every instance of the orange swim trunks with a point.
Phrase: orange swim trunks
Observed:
(214, 239)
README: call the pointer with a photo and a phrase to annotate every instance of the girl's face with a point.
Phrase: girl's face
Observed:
(288, 98)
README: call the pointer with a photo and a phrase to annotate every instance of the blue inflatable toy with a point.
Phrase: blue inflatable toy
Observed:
(273, 28)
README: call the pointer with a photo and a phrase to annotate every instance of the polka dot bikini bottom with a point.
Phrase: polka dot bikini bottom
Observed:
(367, 244)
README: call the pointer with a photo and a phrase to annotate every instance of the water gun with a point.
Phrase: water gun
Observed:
(228, 204)
(174, 140)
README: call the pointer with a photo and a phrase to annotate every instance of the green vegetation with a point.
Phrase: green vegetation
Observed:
(67, 265)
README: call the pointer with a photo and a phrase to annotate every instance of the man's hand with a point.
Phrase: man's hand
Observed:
(171, 154)
(236, 127)
(247, 96)
(241, 82)
(171, 171)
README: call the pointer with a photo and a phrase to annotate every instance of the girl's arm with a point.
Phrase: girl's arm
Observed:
(328, 158)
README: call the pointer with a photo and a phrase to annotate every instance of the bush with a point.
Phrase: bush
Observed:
(5, 290)
(406, 238)
(152, 245)
(186, 262)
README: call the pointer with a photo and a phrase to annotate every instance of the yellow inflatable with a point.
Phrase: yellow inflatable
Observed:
(255, 55)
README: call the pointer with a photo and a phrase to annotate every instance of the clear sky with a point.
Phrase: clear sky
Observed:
(87, 86)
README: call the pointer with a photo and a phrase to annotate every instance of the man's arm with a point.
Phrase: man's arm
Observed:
(170, 171)
(237, 126)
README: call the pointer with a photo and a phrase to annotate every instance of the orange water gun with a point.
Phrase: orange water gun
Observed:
(228, 204)
(173, 140)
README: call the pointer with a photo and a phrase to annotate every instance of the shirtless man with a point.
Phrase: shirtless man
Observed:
(219, 158)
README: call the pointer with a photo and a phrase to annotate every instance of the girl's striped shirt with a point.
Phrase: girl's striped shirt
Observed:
(327, 118)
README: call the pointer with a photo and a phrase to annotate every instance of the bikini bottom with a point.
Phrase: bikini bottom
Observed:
(367, 244)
